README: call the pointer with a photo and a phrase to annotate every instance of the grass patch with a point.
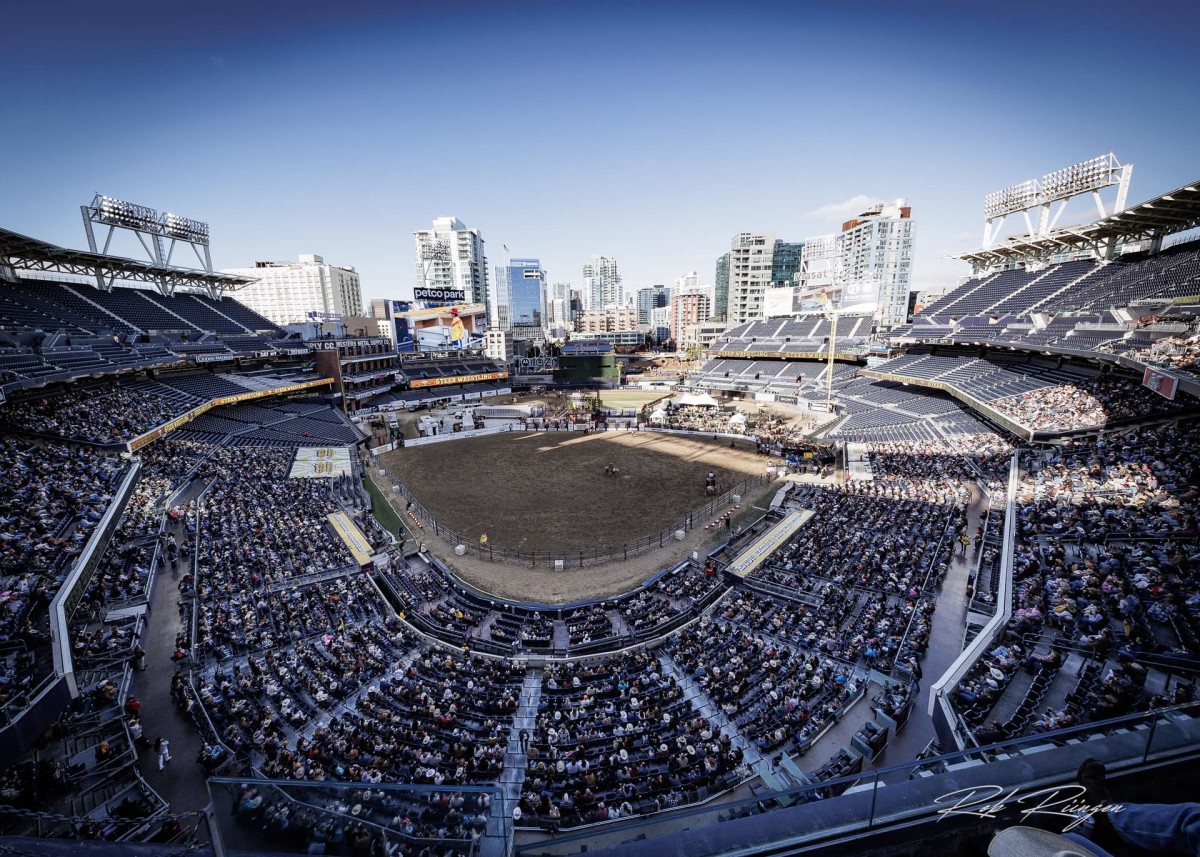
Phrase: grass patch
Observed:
(381, 508)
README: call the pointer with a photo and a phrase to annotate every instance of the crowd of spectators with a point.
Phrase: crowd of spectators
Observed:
(1084, 404)
(261, 528)
(700, 419)
(53, 498)
(105, 413)
(773, 694)
(1171, 352)
(616, 738)
(1105, 561)
(444, 720)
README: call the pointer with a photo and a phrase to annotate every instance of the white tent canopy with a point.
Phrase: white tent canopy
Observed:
(738, 419)
(659, 416)
(702, 400)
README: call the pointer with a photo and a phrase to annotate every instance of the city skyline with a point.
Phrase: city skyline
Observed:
(293, 135)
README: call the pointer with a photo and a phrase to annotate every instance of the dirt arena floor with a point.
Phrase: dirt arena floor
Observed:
(547, 490)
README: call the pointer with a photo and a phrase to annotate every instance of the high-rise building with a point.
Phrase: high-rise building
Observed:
(519, 295)
(381, 308)
(602, 284)
(648, 300)
(688, 308)
(751, 258)
(558, 305)
(296, 292)
(721, 289)
(785, 263)
(451, 257)
(867, 266)
(876, 260)
(660, 323)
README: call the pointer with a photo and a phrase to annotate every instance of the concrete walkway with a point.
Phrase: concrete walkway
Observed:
(512, 778)
(181, 783)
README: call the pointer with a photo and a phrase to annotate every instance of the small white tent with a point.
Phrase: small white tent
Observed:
(700, 400)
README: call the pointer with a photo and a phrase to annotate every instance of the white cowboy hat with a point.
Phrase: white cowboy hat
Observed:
(1030, 842)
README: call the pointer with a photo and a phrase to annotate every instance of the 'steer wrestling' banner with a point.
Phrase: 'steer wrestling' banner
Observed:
(352, 536)
(769, 542)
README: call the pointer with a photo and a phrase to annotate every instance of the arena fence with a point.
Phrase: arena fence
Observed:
(564, 560)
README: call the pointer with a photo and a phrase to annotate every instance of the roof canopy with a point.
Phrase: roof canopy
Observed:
(1177, 211)
(19, 252)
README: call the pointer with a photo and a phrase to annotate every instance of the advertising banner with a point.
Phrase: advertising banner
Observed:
(351, 536)
(1160, 382)
(453, 296)
(320, 462)
(418, 383)
(770, 541)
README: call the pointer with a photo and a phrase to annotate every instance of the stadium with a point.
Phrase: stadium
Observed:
(788, 604)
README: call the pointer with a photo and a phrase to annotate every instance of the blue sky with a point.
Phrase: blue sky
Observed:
(650, 132)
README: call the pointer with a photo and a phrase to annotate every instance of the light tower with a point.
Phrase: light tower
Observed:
(1060, 186)
(152, 230)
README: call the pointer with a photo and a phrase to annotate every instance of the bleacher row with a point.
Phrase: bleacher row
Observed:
(117, 411)
(437, 604)
(1081, 305)
(793, 335)
(1035, 391)
(54, 331)
(79, 309)
(1105, 605)
(788, 378)
(1076, 286)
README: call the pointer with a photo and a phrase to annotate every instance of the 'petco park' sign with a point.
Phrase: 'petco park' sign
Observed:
(452, 295)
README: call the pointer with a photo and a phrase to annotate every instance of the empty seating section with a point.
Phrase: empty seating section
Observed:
(1049, 283)
(988, 292)
(240, 313)
(74, 328)
(198, 313)
(137, 308)
(794, 335)
(204, 385)
(1069, 305)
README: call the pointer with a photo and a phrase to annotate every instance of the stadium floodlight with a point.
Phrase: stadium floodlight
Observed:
(185, 229)
(1018, 197)
(128, 215)
(1092, 174)
(153, 231)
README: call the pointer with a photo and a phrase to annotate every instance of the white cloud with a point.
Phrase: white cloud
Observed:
(841, 210)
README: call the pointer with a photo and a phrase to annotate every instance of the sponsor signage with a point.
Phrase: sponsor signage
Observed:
(320, 462)
(212, 358)
(456, 296)
(351, 536)
(335, 344)
(1160, 382)
(766, 544)
(418, 383)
